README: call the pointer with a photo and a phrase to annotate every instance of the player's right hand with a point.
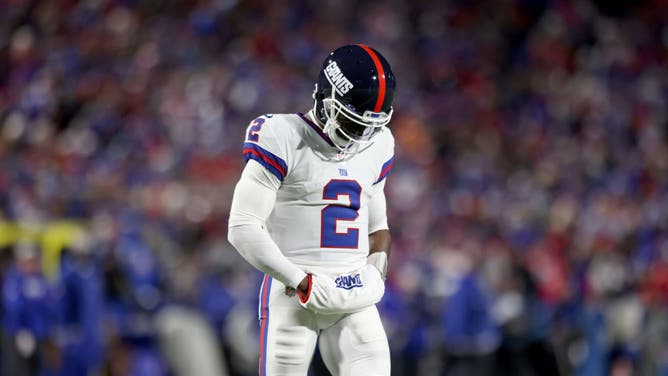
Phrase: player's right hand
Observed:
(303, 289)
(304, 285)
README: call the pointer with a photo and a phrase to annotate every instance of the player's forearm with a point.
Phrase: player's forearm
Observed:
(379, 235)
(380, 243)
(380, 240)
(256, 246)
(253, 201)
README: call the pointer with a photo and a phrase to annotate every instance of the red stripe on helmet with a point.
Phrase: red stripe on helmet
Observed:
(381, 77)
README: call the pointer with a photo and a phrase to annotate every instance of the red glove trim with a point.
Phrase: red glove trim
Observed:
(304, 298)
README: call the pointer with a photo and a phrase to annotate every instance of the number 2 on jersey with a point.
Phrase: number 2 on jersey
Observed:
(255, 129)
(333, 213)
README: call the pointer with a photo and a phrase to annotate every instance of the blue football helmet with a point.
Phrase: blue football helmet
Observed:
(353, 96)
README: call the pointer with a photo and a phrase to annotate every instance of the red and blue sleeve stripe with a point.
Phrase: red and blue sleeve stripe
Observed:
(385, 170)
(276, 165)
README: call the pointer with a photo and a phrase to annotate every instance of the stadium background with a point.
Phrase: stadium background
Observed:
(528, 202)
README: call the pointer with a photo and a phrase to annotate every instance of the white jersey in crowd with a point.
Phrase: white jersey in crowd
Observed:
(321, 215)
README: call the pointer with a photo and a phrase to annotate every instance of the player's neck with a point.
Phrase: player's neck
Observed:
(311, 116)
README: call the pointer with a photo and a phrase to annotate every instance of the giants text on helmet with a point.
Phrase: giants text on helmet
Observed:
(337, 79)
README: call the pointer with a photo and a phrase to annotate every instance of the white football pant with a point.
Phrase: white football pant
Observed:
(351, 344)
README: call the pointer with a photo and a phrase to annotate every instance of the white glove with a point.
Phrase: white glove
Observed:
(344, 293)
(379, 260)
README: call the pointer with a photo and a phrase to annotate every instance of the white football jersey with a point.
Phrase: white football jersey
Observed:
(321, 214)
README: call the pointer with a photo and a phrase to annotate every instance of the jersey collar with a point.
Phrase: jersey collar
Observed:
(316, 128)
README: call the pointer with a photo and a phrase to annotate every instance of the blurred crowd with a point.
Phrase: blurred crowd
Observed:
(528, 201)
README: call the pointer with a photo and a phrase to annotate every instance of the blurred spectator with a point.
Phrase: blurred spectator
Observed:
(188, 343)
(81, 328)
(29, 317)
(470, 335)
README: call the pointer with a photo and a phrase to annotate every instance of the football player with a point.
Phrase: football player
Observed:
(309, 211)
